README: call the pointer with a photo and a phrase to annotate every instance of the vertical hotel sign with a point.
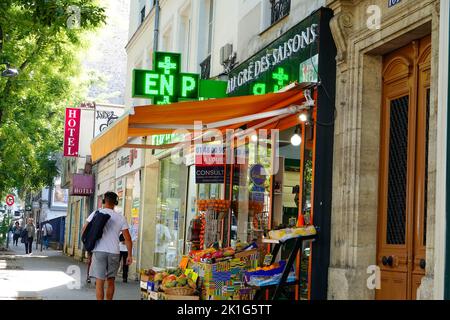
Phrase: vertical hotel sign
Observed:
(72, 132)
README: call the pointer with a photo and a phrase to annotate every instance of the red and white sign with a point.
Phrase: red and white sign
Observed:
(72, 132)
(10, 200)
(209, 155)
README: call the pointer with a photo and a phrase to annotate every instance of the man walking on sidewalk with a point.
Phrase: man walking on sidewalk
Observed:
(106, 253)
(47, 231)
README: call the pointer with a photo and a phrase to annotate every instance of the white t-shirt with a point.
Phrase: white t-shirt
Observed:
(163, 238)
(123, 247)
(109, 242)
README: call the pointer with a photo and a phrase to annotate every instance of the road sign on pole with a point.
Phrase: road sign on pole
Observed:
(10, 200)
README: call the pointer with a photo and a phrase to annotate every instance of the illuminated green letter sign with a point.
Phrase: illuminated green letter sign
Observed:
(165, 83)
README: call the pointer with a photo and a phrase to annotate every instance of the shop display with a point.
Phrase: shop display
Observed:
(167, 283)
(269, 275)
(223, 278)
(211, 213)
(196, 230)
(288, 233)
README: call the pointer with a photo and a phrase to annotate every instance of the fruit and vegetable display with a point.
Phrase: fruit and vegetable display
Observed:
(213, 204)
(256, 206)
(212, 255)
(174, 279)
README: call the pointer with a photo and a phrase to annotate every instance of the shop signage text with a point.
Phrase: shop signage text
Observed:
(128, 160)
(105, 116)
(209, 163)
(292, 57)
(82, 185)
(392, 3)
(207, 154)
(167, 84)
(209, 174)
(72, 132)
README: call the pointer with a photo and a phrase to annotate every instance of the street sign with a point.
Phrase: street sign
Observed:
(10, 200)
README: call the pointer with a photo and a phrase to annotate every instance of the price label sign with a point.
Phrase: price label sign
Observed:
(267, 259)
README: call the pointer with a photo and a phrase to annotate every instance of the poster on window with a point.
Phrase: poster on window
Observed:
(60, 197)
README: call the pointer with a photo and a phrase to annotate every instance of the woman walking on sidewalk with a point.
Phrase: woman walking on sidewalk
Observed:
(28, 236)
(17, 230)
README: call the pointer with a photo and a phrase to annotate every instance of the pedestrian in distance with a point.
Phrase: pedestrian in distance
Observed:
(28, 235)
(17, 230)
(106, 252)
(123, 257)
(47, 231)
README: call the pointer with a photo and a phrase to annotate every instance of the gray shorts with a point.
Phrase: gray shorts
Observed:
(104, 265)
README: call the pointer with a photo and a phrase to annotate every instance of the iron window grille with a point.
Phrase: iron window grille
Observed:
(279, 10)
(143, 14)
(206, 68)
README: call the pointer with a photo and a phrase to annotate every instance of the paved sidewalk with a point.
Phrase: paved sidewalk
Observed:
(50, 275)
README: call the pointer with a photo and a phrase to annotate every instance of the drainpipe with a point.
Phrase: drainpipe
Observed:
(156, 32)
(445, 13)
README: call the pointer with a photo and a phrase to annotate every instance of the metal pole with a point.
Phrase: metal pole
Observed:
(156, 32)
(9, 227)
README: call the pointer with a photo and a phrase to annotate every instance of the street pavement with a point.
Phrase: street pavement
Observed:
(50, 275)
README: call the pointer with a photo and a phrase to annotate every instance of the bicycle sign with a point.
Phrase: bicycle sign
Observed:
(10, 200)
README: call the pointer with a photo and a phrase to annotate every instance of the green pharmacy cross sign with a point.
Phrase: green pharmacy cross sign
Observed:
(165, 83)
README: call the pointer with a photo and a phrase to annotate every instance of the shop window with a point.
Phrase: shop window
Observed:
(279, 10)
(142, 16)
(170, 215)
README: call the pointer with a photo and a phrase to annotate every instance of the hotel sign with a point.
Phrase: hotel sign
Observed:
(82, 185)
(72, 132)
(292, 57)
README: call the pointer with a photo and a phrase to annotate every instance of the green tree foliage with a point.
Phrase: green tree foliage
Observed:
(5, 225)
(42, 39)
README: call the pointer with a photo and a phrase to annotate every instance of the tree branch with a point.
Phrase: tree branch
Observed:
(39, 46)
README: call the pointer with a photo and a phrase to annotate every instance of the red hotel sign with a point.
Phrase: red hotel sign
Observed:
(72, 132)
(82, 185)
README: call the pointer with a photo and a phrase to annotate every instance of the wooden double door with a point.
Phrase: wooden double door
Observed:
(403, 179)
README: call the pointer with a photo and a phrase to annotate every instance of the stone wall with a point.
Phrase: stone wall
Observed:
(357, 134)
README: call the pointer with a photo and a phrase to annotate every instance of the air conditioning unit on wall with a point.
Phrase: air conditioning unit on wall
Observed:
(225, 53)
(227, 58)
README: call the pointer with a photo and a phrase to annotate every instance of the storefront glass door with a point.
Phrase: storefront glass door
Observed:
(170, 223)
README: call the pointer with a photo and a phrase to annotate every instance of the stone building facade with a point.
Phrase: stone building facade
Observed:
(366, 34)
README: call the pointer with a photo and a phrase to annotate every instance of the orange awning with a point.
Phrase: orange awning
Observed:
(218, 113)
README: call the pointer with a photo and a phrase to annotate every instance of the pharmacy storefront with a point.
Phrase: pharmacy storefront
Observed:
(129, 162)
(217, 218)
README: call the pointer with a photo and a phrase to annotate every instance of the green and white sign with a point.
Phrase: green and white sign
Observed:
(167, 84)
(292, 57)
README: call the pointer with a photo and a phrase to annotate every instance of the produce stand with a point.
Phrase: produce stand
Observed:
(210, 272)
(224, 279)
(286, 268)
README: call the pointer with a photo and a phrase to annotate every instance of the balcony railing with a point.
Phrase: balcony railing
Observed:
(206, 68)
(280, 9)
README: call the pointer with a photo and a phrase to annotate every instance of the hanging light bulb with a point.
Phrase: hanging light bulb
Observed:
(254, 138)
(303, 117)
(296, 140)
